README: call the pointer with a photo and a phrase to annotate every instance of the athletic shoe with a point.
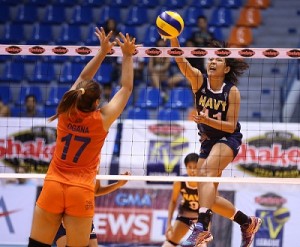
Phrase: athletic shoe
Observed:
(198, 237)
(249, 230)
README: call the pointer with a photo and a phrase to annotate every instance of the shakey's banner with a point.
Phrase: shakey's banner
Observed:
(158, 148)
(138, 213)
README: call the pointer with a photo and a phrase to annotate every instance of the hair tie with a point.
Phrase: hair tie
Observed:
(82, 90)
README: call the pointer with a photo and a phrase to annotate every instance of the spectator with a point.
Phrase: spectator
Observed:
(200, 38)
(111, 25)
(161, 73)
(4, 109)
(31, 107)
(159, 67)
(138, 67)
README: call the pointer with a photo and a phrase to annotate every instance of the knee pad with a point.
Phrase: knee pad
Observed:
(34, 243)
(169, 244)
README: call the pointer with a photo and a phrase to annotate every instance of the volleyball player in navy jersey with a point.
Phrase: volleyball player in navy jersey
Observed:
(188, 207)
(217, 100)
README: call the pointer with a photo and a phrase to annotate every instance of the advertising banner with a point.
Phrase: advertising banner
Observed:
(16, 210)
(27, 145)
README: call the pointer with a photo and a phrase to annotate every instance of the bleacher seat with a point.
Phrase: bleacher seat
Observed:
(70, 72)
(54, 14)
(4, 13)
(149, 97)
(240, 36)
(138, 113)
(29, 90)
(131, 30)
(41, 3)
(148, 3)
(249, 17)
(82, 15)
(43, 73)
(91, 39)
(5, 94)
(55, 95)
(49, 111)
(65, 3)
(231, 3)
(15, 111)
(221, 17)
(180, 98)
(41, 34)
(191, 15)
(115, 89)
(174, 4)
(93, 3)
(168, 114)
(217, 32)
(121, 3)
(263, 4)
(151, 36)
(109, 12)
(70, 34)
(203, 3)
(186, 34)
(13, 72)
(104, 74)
(13, 33)
(137, 16)
(26, 14)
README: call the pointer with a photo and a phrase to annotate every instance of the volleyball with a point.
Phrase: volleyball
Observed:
(281, 215)
(169, 24)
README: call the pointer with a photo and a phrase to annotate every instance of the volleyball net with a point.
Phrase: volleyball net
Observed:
(152, 137)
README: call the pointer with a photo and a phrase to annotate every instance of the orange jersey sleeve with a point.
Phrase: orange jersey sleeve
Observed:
(78, 146)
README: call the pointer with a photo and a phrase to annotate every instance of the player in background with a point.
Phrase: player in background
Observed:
(217, 100)
(68, 190)
(60, 238)
(187, 208)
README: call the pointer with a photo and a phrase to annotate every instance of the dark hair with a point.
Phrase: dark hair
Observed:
(83, 98)
(191, 157)
(30, 96)
(237, 66)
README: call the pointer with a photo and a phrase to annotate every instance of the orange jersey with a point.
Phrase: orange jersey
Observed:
(78, 146)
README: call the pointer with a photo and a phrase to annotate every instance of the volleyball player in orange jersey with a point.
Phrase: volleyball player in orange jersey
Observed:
(68, 191)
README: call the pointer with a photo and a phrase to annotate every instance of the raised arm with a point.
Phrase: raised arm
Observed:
(112, 110)
(193, 75)
(94, 64)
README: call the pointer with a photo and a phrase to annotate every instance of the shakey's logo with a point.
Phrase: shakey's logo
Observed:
(30, 150)
(275, 154)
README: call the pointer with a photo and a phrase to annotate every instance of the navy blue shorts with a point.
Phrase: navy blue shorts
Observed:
(186, 220)
(62, 232)
(233, 141)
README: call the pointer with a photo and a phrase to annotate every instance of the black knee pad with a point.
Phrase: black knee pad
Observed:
(34, 243)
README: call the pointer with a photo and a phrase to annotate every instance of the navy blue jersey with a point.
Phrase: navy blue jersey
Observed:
(189, 204)
(217, 105)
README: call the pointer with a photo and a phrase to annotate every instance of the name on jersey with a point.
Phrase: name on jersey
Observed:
(190, 197)
(210, 103)
(78, 128)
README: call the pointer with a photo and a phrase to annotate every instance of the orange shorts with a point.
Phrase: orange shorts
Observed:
(72, 200)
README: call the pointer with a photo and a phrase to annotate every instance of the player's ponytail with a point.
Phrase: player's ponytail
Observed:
(83, 99)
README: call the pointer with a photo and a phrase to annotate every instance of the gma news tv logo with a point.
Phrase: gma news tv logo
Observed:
(5, 215)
